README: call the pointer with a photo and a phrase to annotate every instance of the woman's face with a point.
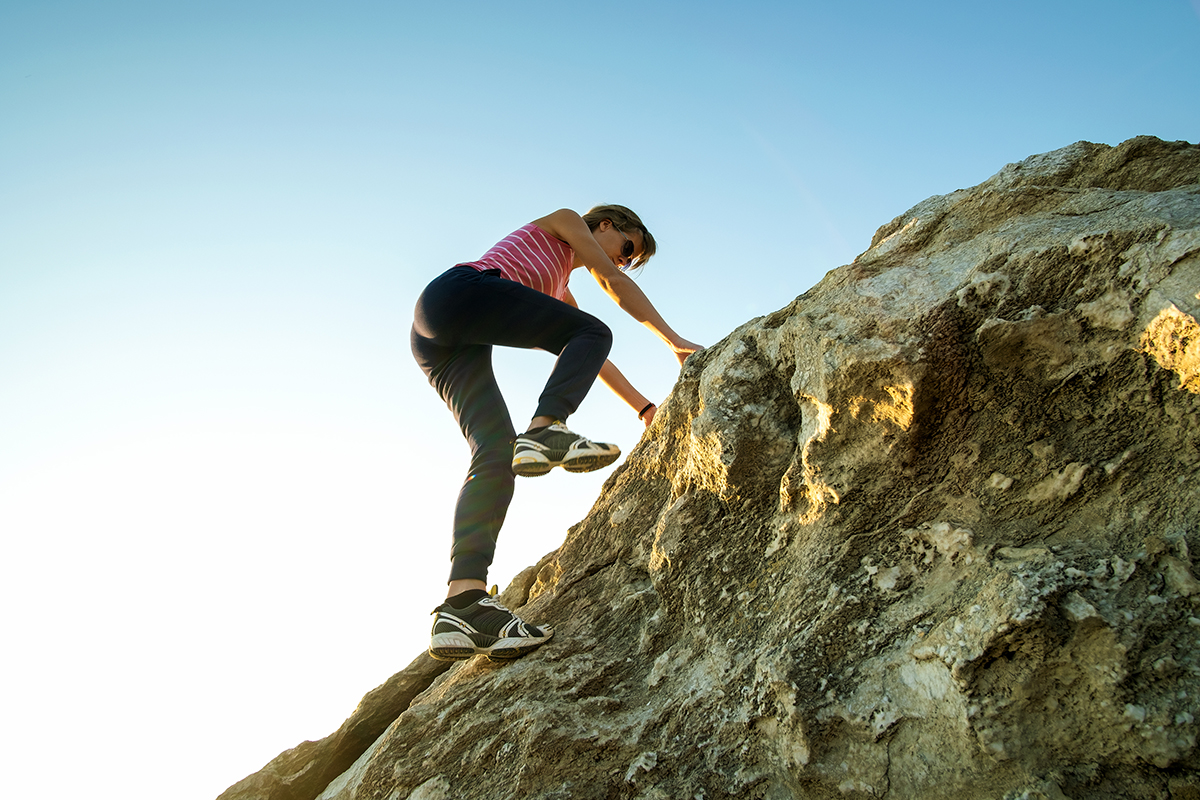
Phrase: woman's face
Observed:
(613, 240)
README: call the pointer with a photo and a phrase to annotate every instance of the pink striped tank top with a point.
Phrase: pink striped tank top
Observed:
(532, 257)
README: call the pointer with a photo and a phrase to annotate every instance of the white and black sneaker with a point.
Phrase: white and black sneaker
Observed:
(485, 627)
(537, 453)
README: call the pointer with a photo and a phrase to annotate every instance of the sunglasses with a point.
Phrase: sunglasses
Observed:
(626, 249)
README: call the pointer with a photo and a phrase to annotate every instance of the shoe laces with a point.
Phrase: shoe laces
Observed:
(492, 602)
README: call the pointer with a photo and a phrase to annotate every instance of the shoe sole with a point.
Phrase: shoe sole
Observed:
(459, 647)
(589, 463)
(451, 653)
(532, 467)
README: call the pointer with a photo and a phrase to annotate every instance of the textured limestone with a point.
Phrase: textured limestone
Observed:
(926, 532)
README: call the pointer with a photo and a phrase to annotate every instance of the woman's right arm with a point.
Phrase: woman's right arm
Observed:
(567, 225)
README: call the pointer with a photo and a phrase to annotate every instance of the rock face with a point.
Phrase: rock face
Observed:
(926, 532)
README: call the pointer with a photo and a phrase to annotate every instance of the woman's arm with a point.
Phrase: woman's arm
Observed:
(565, 224)
(613, 378)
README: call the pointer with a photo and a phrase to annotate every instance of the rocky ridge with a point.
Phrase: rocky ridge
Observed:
(925, 532)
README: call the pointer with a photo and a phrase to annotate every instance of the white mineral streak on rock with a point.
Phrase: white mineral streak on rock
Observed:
(1059, 485)
(644, 763)
(941, 538)
(813, 575)
(999, 481)
(1078, 609)
(886, 579)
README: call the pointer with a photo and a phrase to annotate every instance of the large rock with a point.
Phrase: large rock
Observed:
(926, 532)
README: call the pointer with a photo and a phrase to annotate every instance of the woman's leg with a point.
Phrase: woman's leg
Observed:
(470, 622)
(485, 308)
(463, 377)
(458, 317)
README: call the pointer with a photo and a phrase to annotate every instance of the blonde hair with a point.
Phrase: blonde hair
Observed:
(623, 220)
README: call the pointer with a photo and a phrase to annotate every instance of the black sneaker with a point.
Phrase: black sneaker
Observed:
(484, 627)
(538, 453)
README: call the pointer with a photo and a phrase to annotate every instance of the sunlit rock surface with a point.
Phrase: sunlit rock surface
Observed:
(926, 532)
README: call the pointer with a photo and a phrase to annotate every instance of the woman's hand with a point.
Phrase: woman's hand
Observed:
(648, 416)
(683, 348)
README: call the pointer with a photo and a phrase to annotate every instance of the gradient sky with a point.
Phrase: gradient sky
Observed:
(225, 488)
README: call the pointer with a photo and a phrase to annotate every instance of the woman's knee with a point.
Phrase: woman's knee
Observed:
(599, 333)
(604, 332)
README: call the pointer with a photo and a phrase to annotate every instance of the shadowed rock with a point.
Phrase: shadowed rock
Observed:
(304, 771)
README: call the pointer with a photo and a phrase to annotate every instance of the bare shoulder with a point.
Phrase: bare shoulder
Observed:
(562, 224)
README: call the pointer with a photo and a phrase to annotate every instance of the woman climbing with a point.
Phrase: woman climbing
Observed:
(516, 295)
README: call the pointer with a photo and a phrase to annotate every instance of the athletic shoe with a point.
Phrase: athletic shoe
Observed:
(485, 627)
(537, 453)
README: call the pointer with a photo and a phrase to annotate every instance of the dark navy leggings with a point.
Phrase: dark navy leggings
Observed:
(459, 317)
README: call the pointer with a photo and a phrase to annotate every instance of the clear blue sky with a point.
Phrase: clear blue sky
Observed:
(225, 489)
